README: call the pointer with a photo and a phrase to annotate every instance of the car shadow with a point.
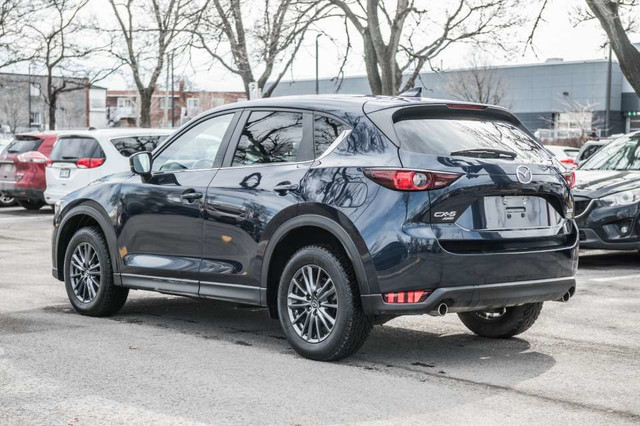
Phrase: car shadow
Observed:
(600, 259)
(503, 362)
(19, 211)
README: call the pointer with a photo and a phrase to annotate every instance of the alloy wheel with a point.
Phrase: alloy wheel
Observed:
(312, 303)
(6, 198)
(85, 272)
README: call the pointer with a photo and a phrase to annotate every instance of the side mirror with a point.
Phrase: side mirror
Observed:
(140, 164)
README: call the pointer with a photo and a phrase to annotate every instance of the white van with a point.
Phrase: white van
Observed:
(82, 156)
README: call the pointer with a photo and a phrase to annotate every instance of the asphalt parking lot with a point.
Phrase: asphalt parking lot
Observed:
(175, 360)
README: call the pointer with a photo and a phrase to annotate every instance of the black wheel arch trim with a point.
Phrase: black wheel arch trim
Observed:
(95, 211)
(366, 281)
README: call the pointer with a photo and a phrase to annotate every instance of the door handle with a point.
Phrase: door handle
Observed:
(191, 196)
(284, 187)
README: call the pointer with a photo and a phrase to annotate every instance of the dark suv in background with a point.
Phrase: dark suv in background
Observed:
(335, 213)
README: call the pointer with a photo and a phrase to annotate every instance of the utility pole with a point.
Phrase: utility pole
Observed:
(317, 65)
(607, 111)
(166, 95)
(29, 97)
(172, 96)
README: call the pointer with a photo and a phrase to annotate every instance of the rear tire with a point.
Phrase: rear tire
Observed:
(6, 200)
(513, 321)
(333, 296)
(88, 275)
(31, 204)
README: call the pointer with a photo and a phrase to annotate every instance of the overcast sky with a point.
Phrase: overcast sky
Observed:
(555, 38)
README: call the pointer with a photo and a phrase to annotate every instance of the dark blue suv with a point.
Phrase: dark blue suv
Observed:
(335, 213)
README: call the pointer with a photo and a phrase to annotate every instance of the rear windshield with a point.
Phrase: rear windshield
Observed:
(132, 144)
(442, 136)
(24, 144)
(75, 147)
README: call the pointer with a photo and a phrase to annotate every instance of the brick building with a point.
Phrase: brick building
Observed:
(123, 106)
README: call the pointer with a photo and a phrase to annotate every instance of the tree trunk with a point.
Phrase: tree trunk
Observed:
(144, 119)
(629, 57)
(53, 100)
(371, 63)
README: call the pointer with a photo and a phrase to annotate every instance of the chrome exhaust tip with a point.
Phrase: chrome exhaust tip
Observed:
(442, 310)
(566, 297)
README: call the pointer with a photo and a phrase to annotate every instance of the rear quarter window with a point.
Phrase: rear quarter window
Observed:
(73, 148)
(441, 136)
(129, 145)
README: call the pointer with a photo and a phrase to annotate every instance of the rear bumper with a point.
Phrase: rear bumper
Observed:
(52, 196)
(475, 297)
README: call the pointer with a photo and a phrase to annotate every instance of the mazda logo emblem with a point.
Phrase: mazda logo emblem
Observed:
(524, 175)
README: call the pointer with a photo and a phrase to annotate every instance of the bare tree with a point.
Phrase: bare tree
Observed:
(147, 30)
(417, 32)
(57, 40)
(264, 35)
(13, 16)
(480, 83)
(572, 125)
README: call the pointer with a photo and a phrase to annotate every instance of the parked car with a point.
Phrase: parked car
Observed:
(335, 213)
(565, 154)
(80, 157)
(589, 148)
(22, 166)
(5, 199)
(607, 196)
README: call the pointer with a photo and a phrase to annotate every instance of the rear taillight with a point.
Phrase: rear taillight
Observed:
(89, 163)
(410, 180)
(413, 296)
(32, 157)
(570, 177)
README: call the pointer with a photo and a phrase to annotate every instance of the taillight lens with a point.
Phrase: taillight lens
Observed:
(570, 177)
(32, 157)
(410, 180)
(412, 296)
(89, 163)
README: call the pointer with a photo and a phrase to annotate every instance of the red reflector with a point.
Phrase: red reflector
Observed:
(410, 180)
(570, 177)
(466, 106)
(413, 296)
(568, 161)
(89, 163)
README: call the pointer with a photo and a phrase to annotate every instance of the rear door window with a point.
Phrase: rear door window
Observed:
(131, 144)
(24, 144)
(74, 148)
(443, 136)
(270, 137)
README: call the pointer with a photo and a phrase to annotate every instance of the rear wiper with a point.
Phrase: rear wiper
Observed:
(485, 153)
(69, 158)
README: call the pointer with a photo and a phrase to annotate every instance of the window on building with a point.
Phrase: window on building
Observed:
(36, 118)
(217, 101)
(269, 137)
(163, 103)
(634, 124)
(193, 103)
(125, 102)
(35, 89)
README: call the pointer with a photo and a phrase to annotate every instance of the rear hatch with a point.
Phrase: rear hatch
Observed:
(8, 159)
(74, 164)
(510, 195)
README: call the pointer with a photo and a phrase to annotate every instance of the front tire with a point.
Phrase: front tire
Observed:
(31, 204)
(88, 275)
(502, 323)
(319, 305)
